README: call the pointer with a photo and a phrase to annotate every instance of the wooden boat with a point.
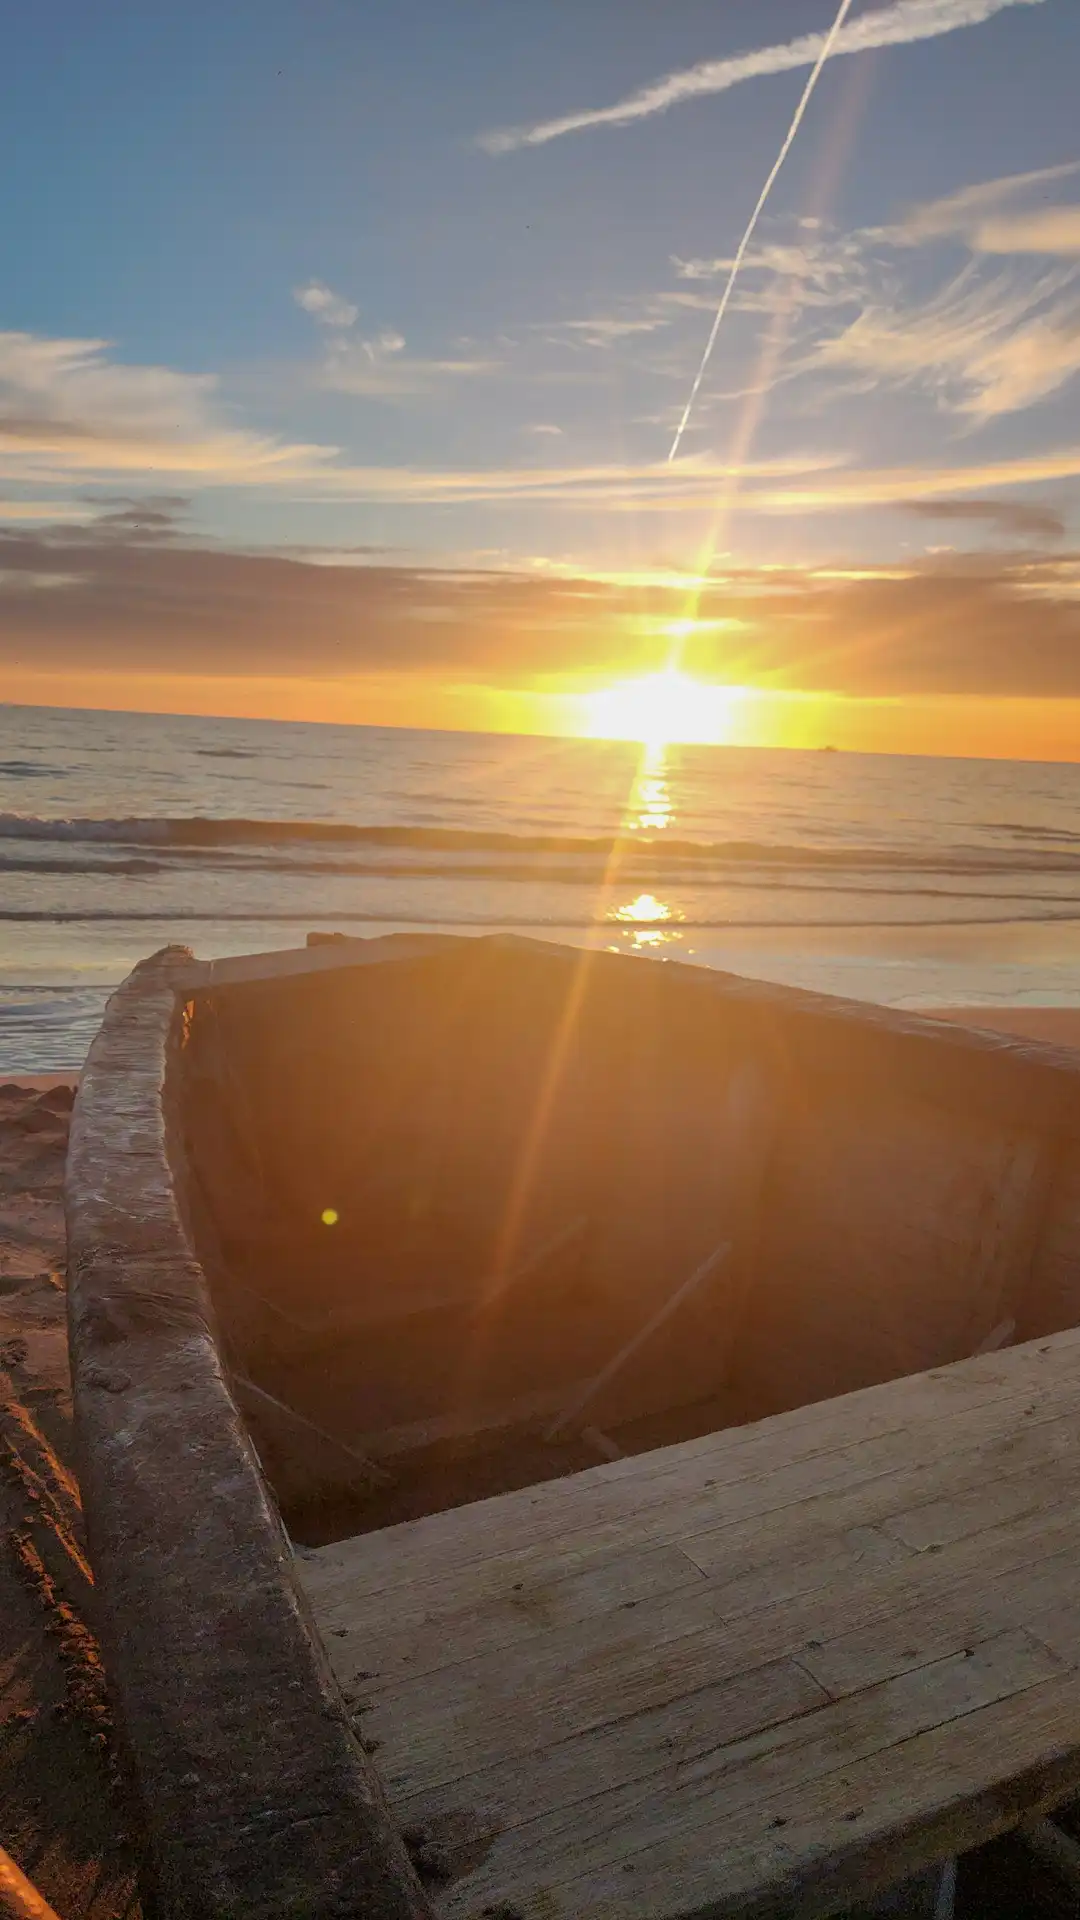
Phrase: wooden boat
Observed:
(671, 1380)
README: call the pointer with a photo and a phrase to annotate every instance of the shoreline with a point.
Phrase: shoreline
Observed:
(1056, 1026)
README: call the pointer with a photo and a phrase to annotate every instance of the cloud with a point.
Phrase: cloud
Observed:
(975, 623)
(988, 341)
(824, 263)
(50, 510)
(1011, 518)
(896, 486)
(1051, 230)
(67, 410)
(794, 483)
(900, 24)
(983, 349)
(983, 218)
(692, 481)
(544, 427)
(70, 414)
(145, 521)
(605, 330)
(378, 367)
(382, 369)
(324, 305)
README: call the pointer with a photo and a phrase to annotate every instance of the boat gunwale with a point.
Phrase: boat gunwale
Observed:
(256, 1794)
(942, 1061)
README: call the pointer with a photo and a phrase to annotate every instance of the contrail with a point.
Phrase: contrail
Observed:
(826, 48)
(903, 23)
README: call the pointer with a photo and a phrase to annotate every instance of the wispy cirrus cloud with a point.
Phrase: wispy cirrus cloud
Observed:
(985, 218)
(72, 413)
(795, 483)
(71, 416)
(604, 330)
(383, 369)
(982, 348)
(897, 486)
(901, 24)
(68, 410)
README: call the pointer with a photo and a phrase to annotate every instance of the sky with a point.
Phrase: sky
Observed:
(343, 349)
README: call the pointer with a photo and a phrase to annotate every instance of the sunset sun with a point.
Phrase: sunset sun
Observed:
(664, 708)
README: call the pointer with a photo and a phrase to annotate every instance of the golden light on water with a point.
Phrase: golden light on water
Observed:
(660, 709)
(645, 907)
(650, 920)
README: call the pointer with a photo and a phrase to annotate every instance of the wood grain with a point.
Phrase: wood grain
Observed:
(842, 1640)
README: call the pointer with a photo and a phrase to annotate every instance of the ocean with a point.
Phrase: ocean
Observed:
(918, 882)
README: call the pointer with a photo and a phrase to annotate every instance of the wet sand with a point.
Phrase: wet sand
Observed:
(1060, 1026)
(63, 1815)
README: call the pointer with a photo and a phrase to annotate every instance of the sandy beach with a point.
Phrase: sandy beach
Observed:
(1058, 1026)
(62, 1811)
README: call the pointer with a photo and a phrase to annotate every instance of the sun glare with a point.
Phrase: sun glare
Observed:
(662, 708)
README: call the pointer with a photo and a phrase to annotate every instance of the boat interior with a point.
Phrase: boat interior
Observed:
(479, 1213)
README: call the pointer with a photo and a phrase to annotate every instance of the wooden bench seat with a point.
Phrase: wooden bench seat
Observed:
(768, 1671)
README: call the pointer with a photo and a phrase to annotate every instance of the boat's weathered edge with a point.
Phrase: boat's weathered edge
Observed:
(951, 1064)
(256, 1793)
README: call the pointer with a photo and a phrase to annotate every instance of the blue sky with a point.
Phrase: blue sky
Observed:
(283, 263)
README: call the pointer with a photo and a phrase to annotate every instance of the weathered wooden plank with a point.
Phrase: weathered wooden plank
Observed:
(736, 1789)
(819, 1856)
(985, 1581)
(945, 1615)
(436, 1729)
(715, 1485)
(425, 1631)
(783, 1572)
(957, 1471)
(572, 1714)
(651, 1744)
(935, 1523)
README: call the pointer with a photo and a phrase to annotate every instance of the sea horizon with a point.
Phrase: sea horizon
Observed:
(909, 880)
(508, 733)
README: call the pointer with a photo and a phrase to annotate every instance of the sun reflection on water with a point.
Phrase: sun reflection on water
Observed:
(654, 913)
(651, 809)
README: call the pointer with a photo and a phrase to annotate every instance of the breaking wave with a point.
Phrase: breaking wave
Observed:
(318, 845)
